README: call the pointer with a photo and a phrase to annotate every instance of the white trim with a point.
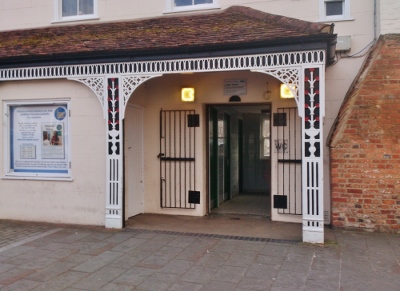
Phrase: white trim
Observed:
(271, 61)
(59, 18)
(8, 174)
(170, 8)
(345, 16)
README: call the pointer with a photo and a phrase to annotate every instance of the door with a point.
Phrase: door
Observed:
(288, 149)
(177, 158)
(134, 204)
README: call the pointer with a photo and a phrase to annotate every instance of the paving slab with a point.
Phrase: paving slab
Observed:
(59, 257)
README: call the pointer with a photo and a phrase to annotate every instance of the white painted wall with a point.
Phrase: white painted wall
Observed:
(80, 201)
(389, 16)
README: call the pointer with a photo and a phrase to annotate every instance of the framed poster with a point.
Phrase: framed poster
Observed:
(38, 139)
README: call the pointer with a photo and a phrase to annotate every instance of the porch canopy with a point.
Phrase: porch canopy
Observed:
(115, 58)
(235, 31)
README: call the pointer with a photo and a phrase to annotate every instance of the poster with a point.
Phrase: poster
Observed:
(38, 139)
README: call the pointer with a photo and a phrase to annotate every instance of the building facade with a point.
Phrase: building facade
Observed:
(105, 79)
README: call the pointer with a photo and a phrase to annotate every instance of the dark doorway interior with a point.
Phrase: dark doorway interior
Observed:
(239, 159)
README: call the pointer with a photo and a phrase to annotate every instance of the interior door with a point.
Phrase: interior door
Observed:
(134, 204)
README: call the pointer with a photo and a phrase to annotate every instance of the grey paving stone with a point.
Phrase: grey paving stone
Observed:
(98, 279)
(259, 271)
(5, 267)
(243, 258)
(181, 242)
(269, 260)
(129, 244)
(154, 244)
(185, 286)
(98, 236)
(219, 286)
(213, 259)
(116, 287)
(317, 285)
(77, 258)
(134, 276)
(250, 246)
(61, 253)
(21, 285)
(98, 262)
(62, 281)
(325, 275)
(255, 283)
(16, 251)
(289, 279)
(130, 260)
(13, 275)
(38, 263)
(27, 257)
(51, 271)
(275, 250)
(158, 281)
(73, 236)
(118, 237)
(224, 246)
(200, 274)
(230, 274)
(178, 267)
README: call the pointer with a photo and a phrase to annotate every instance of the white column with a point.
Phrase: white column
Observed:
(114, 179)
(312, 100)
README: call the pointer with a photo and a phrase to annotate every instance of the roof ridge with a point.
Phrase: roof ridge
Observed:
(288, 22)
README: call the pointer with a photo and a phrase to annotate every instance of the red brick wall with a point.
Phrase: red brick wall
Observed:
(365, 146)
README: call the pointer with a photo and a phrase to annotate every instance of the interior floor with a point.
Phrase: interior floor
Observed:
(246, 204)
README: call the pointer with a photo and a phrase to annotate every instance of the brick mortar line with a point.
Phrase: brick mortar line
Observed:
(29, 239)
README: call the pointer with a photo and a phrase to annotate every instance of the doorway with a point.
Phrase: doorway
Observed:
(133, 127)
(239, 164)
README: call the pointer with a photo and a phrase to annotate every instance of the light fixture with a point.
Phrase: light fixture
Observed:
(187, 94)
(267, 94)
(286, 93)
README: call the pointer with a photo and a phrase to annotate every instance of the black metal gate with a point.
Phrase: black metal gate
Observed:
(287, 146)
(177, 159)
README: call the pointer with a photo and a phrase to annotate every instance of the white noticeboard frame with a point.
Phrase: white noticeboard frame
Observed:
(235, 87)
(37, 140)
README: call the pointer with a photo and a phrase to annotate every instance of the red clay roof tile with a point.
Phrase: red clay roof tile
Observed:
(235, 26)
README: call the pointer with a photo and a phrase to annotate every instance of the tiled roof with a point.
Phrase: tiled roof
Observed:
(233, 28)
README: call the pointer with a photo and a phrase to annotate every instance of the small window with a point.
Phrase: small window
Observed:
(331, 10)
(187, 5)
(70, 10)
(265, 150)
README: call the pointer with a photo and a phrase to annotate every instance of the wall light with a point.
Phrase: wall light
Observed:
(187, 94)
(285, 92)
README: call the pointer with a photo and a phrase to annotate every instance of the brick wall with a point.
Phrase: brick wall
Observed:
(365, 146)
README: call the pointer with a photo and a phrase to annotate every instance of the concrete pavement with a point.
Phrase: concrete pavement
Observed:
(55, 257)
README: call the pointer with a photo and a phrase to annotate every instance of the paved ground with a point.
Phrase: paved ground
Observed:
(54, 257)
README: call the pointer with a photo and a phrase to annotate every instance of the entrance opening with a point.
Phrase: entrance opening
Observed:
(239, 168)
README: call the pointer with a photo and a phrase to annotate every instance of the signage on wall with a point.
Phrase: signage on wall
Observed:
(281, 146)
(38, 136)
(235, 87)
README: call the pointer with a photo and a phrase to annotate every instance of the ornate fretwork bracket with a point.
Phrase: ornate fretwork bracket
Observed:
(130, 84)
(289, 77)
(96, 84)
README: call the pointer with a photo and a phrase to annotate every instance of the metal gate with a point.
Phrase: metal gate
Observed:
(177, 159)
(287, 146)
